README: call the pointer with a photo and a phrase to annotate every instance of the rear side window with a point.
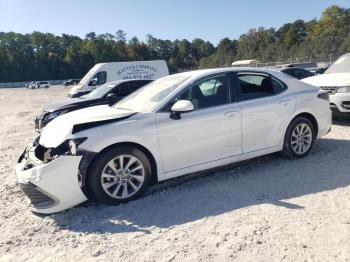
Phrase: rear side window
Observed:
(255, 86)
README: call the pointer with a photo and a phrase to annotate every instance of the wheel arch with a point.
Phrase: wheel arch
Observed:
(154, 169)
(310, 117)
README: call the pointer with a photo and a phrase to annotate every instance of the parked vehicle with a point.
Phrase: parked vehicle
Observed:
(29, 85)
(40, 84)
(296, 72)
(318, 70)
(245, 63)
(108, 93)
(176, 125)
(108, 72)
(71, 82)
(336, 81)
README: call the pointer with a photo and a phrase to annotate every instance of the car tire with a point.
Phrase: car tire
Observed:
(299, 138)
(111, 181)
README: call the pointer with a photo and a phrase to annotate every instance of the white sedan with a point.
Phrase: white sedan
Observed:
(176, 125)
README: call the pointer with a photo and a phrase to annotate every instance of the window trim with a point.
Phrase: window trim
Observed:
(226, 74)
(237, 73)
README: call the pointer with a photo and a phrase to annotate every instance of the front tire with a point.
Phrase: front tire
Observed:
(119, 175)
(299, 138)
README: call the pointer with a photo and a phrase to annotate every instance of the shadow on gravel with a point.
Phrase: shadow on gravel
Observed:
(266, 180)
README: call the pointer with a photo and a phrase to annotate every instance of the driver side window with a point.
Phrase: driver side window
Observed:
(207, 93)
(99, 79)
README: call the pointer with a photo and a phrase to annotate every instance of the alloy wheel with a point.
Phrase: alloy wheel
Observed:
(123, 176)
(301, 138)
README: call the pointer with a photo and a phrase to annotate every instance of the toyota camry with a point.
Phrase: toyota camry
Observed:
(176, 125)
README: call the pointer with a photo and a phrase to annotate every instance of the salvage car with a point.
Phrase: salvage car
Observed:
(176, 125)
(106, 94)
(336, 81)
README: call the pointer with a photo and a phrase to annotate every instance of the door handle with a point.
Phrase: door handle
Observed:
(231, 113)
(284, 102)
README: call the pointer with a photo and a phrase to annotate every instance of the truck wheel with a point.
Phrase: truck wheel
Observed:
(299, 138)
(119, 175)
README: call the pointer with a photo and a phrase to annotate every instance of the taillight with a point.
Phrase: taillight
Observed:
(324, 96)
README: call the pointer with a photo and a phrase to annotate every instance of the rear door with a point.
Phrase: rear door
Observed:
(266, 108)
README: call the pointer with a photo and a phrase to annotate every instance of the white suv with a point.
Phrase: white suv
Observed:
(336, 81)
(39, 84)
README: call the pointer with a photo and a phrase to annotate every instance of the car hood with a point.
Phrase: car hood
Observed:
(60, 129)
(57, 105)
(334, 79)
(71, 104)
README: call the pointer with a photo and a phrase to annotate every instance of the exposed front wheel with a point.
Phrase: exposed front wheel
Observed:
(119, 175)
(299, 138)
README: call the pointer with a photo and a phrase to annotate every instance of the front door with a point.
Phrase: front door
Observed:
(211, 132)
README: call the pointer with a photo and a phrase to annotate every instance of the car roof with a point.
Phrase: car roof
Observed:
(204, 72)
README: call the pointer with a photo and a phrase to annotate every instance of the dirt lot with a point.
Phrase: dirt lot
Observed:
(266, 209)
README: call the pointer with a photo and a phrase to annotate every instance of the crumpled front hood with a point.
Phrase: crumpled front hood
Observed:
(334, 79)
(50, 107)
(60, 129)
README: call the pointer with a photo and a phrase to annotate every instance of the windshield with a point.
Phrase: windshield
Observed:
(87, 77)
(150, 96)
(99, 92)
(342, 65)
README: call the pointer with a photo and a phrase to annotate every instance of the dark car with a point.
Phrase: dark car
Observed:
(71, 82)
(108, 93)
(296, 72)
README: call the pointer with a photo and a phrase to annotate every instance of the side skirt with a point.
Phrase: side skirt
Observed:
(217, 163)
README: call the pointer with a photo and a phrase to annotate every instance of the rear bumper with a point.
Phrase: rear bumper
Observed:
(324, 123)
(51, 187)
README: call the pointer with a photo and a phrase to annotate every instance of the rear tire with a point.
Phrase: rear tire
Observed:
(299, 138)
(119, 175)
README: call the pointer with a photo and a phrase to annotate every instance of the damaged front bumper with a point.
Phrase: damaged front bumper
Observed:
(51, 187)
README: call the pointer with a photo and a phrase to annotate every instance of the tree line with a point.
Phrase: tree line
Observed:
(43, 56)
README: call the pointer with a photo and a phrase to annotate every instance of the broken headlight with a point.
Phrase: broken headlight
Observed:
(69, 147)
(74, 143)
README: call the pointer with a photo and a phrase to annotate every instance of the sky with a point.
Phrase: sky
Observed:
(177, 19)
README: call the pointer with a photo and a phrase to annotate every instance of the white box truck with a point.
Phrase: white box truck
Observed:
(107, 72)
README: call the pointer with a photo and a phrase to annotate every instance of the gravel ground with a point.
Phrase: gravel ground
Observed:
(265, 209)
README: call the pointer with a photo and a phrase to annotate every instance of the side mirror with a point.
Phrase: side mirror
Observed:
(93, 82)
(111, 96)
(181, 106)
